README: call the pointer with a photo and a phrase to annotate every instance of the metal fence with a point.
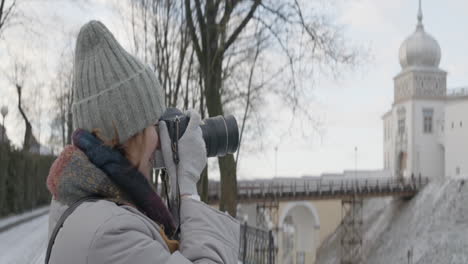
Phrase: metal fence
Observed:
(458, 92)
(256, 246)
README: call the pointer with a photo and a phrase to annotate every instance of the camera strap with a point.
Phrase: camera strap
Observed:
(175, 156)
(175, 142)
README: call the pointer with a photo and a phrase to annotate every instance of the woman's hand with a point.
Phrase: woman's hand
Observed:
(191, 152)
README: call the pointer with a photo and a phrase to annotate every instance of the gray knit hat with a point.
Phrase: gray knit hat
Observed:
(112, 90)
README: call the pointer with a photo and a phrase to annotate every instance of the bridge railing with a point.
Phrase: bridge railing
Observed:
(256, 246)
(324, 188)
(458, 92)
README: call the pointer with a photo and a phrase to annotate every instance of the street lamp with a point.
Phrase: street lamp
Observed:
(4, 112)
(276, 161)
(355, 167)
(355, 161)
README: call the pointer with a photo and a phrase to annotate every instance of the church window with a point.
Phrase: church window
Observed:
(427, 120)
(401, 126)
(401, 120)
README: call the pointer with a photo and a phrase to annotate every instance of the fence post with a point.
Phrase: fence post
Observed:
(245, 243)
(271, 248)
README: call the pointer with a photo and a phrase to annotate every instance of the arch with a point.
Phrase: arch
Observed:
(293, 205)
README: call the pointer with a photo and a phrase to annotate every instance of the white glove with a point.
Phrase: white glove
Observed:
(192, 155)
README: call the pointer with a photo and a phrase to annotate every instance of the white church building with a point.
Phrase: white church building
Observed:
(426, 130)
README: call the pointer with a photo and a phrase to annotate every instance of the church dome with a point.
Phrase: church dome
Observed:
(420, 49)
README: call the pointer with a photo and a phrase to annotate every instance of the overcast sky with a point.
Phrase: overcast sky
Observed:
(353, 106)
(350, 108)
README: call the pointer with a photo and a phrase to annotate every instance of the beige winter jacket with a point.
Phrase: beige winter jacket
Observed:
(103, 232)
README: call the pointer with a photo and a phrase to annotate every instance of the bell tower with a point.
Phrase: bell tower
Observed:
(417, 113)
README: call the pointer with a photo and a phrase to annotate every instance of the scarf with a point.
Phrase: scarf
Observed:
(89, 168)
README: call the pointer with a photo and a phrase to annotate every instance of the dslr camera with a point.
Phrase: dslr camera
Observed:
(220, 133)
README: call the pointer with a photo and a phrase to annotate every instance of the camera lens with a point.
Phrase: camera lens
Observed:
(233, 134)
(221, 135)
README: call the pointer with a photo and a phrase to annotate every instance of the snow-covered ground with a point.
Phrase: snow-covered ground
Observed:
(26, 242)
(431, 228)
(12, 220)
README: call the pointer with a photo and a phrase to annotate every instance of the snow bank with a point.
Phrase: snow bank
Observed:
(9, 221)
(433, 226)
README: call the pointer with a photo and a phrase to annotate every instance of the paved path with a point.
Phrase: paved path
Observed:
(25, 243)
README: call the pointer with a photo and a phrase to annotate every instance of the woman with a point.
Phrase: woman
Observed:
(116, 108)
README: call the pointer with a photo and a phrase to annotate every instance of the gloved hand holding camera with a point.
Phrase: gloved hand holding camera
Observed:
(187, 141)
(190, 152)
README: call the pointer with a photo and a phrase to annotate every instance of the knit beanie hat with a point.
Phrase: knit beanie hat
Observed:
(112, 90)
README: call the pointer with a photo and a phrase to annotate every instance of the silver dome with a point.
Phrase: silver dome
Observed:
(420, 49)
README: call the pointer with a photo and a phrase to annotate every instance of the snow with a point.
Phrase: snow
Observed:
(25, 243)
(7, 221)
(433, 226)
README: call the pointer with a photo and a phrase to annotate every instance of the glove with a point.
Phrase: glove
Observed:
(191, 152)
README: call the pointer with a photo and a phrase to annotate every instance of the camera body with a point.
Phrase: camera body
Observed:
(221, 134)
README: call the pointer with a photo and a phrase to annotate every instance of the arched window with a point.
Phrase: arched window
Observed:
(427, 120)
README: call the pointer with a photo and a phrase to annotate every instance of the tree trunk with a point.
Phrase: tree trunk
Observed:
(203, 182)
(62, 128)
(29, 139)
(227, 164)
(228, 201)
(69, 127)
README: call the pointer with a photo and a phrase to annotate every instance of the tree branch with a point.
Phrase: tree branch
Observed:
(241, 26)
(193, 33)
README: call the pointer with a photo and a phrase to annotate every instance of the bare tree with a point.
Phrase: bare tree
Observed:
(63, 96)
(224, 49)
(6, 14)
(18, 77)
(215, 26)
(161, 38)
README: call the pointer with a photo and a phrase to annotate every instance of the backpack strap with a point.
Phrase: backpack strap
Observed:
(62, 219)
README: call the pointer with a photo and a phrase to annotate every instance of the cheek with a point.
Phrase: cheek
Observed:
(151, 143)
(153, 140)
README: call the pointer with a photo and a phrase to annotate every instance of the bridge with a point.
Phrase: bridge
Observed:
(320, 189)
(267, 194)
